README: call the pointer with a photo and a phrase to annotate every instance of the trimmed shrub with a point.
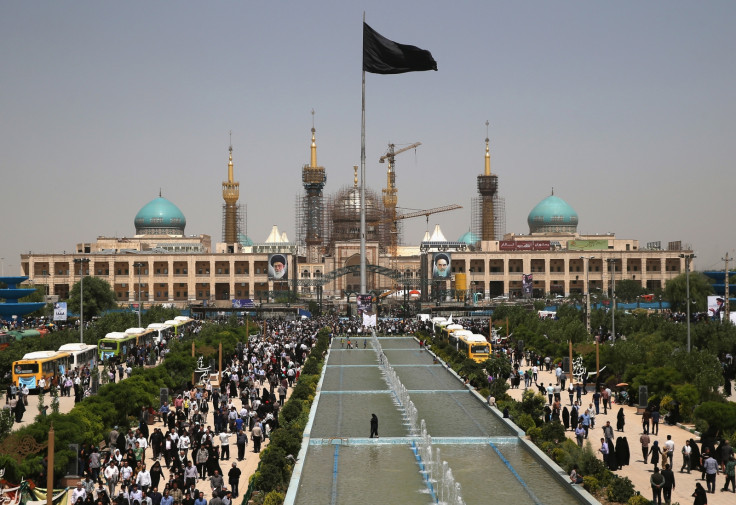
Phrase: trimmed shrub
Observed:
(620, 489)
(274, 498)
(591, 484)
(553, 432)
(638, 499)
(525, 422)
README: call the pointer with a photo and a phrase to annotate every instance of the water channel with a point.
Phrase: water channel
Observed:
(438, 441)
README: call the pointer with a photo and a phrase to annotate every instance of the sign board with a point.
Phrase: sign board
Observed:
(524, 245)
(60, 311)
(163, 395)
(587, 245)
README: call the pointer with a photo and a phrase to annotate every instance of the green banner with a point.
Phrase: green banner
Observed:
(587, 245)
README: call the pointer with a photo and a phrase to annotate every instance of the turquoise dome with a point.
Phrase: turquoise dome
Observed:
(552, 215)
(469, 238)
(160, 217)
(244, 240)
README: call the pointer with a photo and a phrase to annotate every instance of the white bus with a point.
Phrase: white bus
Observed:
(161, 331)
(82, 355)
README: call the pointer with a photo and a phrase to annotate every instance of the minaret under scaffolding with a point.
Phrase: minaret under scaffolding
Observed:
(487, 188)
(230, 193)
(313, 179)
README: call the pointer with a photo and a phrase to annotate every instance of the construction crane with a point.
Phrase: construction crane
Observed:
(408, 215)
(390, 198)
(391, 153)
(429, 212)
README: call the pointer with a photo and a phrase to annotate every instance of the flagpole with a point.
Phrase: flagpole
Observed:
(363, 288)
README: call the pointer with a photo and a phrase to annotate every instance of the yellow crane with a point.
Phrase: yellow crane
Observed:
(390, 198)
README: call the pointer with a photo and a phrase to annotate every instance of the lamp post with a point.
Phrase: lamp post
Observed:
(81, 262)
(139, 265)
(687, 258)
(586, 265)
(612, 263)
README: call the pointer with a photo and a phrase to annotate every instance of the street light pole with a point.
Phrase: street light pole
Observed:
(586, 265)
(81, 262)
(139, 265)
(688, 257)
(612, 263)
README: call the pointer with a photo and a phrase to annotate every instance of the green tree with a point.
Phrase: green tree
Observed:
(675, 292)
(628, 290)
(98, 297)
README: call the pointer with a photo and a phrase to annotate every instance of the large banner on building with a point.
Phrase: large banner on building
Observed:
(524, 245)
(587, 245)
(716, 307)
(527, 284)
(60, 311)
(243, 303)
(441, 265)
(278, 267)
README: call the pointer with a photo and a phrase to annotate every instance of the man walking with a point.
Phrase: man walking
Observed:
(687, 452)
(711, 469)
(644, 440)
(669, 484)
(233, 479)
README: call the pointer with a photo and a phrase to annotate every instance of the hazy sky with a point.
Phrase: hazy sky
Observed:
(627, 109)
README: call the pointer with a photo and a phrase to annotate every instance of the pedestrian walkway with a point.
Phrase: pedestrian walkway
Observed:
(247, 466)
(637, 471)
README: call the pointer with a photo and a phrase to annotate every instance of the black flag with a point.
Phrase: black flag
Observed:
(383, 56)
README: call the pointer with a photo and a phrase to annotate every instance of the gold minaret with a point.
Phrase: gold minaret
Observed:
(487, 187)
(313, 180)
(231, 193)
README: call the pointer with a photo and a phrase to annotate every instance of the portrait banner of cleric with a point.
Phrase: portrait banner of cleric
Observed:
(278, 268)
(440, 265)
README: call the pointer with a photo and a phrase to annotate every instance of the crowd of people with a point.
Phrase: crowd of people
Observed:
(199, 426)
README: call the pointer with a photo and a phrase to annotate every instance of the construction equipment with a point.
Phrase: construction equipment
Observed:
(408, 215)
(391, 153)
(390, 198)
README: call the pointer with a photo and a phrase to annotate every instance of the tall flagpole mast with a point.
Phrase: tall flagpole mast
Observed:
(363, 288)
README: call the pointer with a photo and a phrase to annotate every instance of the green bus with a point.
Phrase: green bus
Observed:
(116, 343)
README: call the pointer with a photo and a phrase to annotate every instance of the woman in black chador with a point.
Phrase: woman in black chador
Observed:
(620, 422)
(622, 452)
(374, 426)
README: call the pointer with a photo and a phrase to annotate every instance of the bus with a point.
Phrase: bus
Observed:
(115, 343)
(447, 330)
(143, 336)
(82, 355)
(161, 331)
(179, 323)
(48, 365)
(475, 346)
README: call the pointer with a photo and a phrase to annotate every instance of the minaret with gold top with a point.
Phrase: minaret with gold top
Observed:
(313, 179)
(487, 187)
(230, 193)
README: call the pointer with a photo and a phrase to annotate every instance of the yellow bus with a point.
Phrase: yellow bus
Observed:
(180, 324)
(34, 366)
(143, 336)
(475, 346)
(446, 331)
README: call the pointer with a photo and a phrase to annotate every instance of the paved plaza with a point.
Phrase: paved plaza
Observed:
(637, 471)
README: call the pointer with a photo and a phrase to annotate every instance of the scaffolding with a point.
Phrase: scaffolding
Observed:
(241, 220)
(499, 217)
(342, 218)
